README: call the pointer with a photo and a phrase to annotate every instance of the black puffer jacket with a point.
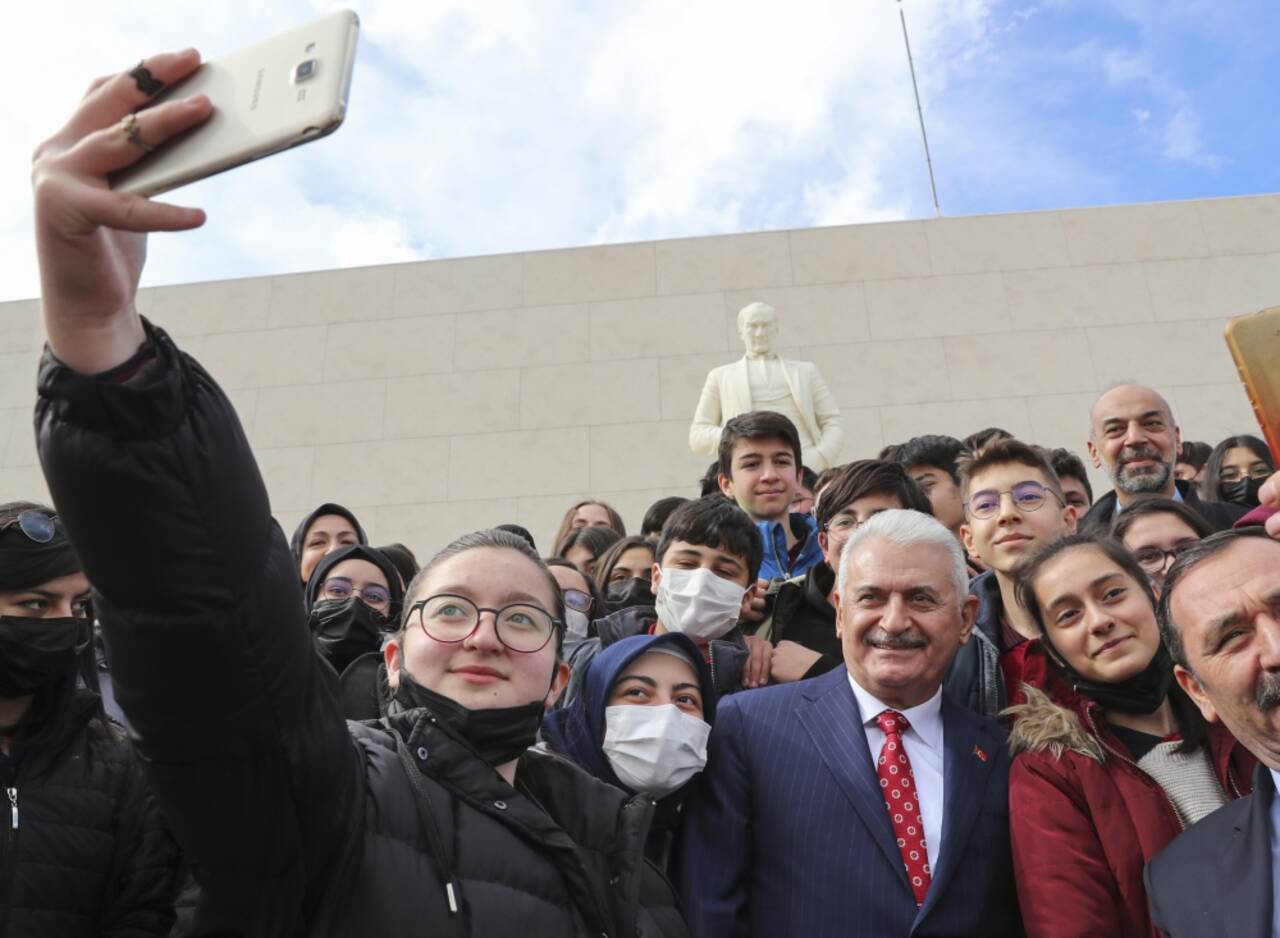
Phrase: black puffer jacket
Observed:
(298, 822)
(83, 851)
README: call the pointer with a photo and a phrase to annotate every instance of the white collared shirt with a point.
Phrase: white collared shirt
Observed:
(923, 742)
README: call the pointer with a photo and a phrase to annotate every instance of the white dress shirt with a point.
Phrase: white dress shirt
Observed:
(923, 742)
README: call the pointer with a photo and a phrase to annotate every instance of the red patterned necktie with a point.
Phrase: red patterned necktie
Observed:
(898, 785)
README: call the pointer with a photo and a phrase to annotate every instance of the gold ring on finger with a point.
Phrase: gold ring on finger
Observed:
(129, 125)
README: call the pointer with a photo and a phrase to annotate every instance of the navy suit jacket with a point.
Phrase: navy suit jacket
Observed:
(787, 835)
(1214, 880)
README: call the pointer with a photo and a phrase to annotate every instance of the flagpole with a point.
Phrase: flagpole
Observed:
(937, 210)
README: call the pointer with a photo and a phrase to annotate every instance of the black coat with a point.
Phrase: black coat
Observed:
(1215, 879)
(803, 614)
(296, 821)
(88, 854)
(1220, 515)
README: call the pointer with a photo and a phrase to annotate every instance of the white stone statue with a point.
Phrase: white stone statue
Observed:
(760, 380)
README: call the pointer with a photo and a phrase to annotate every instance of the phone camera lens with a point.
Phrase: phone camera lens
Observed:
(304, 70)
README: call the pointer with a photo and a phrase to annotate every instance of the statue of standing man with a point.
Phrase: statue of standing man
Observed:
(760, 380)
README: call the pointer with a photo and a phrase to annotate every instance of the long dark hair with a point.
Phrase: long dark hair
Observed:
(1186, 714)
(1211, 488)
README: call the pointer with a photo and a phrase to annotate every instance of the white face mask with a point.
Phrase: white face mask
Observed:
(698, 603)
(654, 750)
(575, 625)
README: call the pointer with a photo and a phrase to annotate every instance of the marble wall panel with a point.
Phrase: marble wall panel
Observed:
(860, 252)
(997, 242)
(462, 402)
(354, 295)
(526, 462)
(457, 286)
(589, 394)
(582, 275)
(389, 348)
(924, 307)
(1131, 233)
(1097, 295)
(512, 338)
(727, 262)
(656, 327)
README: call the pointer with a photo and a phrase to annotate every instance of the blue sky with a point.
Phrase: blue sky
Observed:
(484, 126)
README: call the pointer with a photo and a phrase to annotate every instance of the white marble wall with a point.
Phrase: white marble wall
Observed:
(443, 396)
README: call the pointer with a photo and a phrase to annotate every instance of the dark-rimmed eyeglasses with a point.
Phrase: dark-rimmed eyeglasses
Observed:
(449, 618)
(1027, 496)
(1152, 559)
(341, 587)
(577, 599)
(36, 525)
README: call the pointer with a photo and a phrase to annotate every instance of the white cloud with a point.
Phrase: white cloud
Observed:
(1184, 140)
(481, 127)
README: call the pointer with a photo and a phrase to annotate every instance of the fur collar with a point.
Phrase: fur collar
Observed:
(1040, 725)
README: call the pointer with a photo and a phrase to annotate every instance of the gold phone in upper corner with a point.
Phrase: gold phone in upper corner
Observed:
(269, 97)
(1254, 341)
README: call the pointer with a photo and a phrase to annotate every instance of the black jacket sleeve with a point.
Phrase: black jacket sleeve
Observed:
(239, 723)
(140, 900)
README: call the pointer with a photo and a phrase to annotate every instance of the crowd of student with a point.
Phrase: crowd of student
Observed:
(942, 692)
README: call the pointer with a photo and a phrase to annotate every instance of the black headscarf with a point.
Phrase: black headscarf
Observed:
(356, 552)
(63, 707)
(25, 563)
(328, 508)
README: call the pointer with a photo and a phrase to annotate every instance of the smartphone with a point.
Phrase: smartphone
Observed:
(269, 97)
(1254, 341)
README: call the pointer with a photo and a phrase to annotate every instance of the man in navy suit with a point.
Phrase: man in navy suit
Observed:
(862, 802)
(1220, 619)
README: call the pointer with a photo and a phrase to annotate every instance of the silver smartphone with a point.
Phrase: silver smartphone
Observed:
(269, 97)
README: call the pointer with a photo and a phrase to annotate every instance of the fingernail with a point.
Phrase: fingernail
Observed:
(197, 100)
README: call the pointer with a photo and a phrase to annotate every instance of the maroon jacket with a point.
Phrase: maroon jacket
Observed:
(1084, 819)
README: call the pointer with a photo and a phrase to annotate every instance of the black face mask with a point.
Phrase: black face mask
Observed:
(623, 594)
(345, 629)
(35, 653)
(1244, 492)
(497, 736)
(1143, 693)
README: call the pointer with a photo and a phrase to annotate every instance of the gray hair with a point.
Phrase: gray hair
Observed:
(756, 307)
(906, 528)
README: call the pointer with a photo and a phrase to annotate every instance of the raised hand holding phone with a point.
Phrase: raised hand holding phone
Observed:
(1254, 341)
(91, 241)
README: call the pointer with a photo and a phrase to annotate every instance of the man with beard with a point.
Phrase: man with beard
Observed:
(1134, 438)
(1220, 619)
(863, 802)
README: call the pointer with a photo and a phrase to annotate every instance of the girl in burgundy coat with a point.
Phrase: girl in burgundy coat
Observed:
(1105, 777)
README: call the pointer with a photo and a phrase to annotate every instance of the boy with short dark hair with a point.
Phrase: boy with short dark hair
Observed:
(1074, 478)
(1014, 506)
(760, 470)
(704, 575)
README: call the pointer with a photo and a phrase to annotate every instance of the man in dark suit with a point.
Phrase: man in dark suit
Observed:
(1134, 438)
(1220, 618)
(861, 803)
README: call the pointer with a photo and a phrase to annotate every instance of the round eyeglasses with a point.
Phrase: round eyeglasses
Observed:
(577, 599)
(449, 618)
(1027, 496)
(340, 587)
(36, 525)
(1152, 559)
